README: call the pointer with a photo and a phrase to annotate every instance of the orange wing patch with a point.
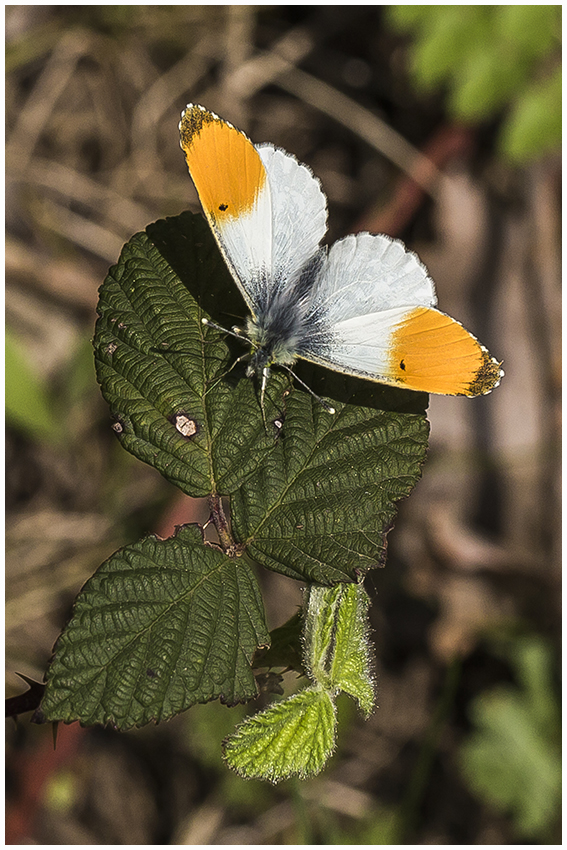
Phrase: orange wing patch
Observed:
(224, 165)
(433, 353)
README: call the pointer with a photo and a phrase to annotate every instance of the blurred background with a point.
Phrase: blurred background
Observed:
(439, 125)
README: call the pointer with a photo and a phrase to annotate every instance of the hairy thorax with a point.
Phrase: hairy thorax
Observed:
(273, 342)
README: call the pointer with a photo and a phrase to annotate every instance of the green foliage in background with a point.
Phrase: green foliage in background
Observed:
(48, 410)
(166, 624)
(513, 758)
(488, 60)
(29, 403)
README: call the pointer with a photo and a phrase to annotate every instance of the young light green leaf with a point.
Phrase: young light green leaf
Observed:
(162, 625)
(320, 615)
(336, 641)
(294, 737)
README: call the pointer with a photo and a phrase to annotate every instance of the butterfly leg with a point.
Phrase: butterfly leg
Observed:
(264, 384)
(238, 360)
(318, 398)
(228, 371)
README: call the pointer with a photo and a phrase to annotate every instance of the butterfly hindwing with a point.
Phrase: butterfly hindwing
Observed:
(382, 324)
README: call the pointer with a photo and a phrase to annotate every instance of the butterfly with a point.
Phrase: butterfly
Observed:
(366, 306)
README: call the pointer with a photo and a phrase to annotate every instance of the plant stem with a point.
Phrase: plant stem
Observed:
(221, 524)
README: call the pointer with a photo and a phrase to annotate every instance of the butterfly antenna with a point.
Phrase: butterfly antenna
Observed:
(238, 335)
(318, 398)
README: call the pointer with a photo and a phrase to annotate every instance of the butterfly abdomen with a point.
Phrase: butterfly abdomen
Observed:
(286, 319)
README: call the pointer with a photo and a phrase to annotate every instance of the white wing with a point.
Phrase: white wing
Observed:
(299, 214)
(369, 273)
(365, 286)
(265, 209)
(373, 309)
(360, 345)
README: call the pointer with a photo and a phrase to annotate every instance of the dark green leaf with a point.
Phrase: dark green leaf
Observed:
(161, 371)
(285, 646)
(162, 625)
(319, 507)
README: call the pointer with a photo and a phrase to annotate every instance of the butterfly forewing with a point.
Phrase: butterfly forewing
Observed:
(233, 188)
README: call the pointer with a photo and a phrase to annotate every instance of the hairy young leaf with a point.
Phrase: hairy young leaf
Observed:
(294, 737)
(337, 649)
(162, 625)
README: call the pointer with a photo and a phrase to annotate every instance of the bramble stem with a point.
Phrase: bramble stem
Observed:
(221, 523)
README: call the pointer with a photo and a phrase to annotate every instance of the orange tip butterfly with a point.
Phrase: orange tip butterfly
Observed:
(365, 306)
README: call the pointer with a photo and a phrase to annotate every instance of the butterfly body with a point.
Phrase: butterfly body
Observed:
(366, 306)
